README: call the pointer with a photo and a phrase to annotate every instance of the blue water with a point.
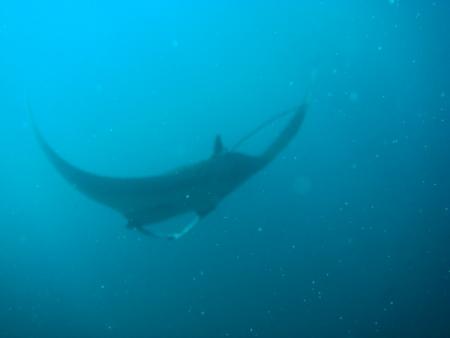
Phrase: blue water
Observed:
(344, 235)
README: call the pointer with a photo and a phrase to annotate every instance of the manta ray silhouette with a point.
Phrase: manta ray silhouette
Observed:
(197, 188)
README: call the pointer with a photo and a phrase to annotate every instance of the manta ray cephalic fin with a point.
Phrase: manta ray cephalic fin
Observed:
(169, 236)
(188, 228)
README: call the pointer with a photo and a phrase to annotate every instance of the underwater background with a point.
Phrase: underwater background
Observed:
(346, 234)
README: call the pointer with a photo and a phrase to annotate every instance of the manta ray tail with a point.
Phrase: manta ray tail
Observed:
(287, 134)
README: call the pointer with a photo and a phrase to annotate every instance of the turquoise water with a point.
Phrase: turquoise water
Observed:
(346, 234)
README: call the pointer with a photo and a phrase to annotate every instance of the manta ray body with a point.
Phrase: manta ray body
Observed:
(197, 188)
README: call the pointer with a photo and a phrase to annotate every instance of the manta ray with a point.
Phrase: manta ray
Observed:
(197, 188)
